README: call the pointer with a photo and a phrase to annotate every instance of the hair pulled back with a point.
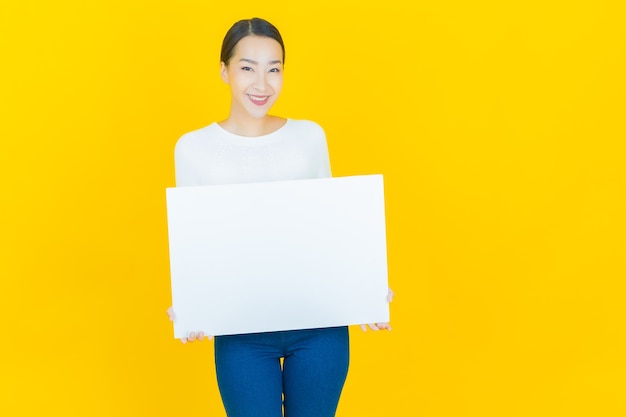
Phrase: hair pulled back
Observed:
(248, 27)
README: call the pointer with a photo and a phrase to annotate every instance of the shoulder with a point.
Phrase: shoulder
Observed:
(307, 127)
(199, 137)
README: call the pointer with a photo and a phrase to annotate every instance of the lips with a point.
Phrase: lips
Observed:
(258, 100)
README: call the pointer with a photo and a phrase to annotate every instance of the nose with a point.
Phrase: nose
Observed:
(260, 83)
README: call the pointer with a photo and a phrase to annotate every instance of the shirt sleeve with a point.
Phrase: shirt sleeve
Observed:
(183, 166)
(324, 170)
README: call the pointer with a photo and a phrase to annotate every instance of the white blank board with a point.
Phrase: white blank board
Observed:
(286, 255)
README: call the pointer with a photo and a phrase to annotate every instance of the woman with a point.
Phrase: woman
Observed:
(253, 146)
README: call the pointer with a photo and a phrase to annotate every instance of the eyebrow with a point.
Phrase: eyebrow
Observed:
(253, 62)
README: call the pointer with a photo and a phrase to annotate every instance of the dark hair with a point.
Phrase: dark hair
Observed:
(248, 27)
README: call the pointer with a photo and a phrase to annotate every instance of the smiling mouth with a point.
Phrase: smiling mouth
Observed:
(258, 100)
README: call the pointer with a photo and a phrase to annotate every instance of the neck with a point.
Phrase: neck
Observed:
(250, 126)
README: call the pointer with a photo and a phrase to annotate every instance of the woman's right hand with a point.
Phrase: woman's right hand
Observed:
(193, 336)
(380, 326)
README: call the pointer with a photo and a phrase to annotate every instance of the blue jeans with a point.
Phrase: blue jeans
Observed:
(253, 383)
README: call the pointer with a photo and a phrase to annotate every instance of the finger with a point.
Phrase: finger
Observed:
(210, 337)
(390, 295)
(170, 313)
(373, 327)
(363, 327)
(383, 326)
(183, 340)
(200, 336)
(192, 337)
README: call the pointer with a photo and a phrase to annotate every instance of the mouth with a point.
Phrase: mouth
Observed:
(258, 100)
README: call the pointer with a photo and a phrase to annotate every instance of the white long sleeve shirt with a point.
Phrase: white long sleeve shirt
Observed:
(212, 155)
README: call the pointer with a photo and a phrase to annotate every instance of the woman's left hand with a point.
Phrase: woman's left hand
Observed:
(379, 326)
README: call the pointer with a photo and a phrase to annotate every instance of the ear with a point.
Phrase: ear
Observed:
(224, 72)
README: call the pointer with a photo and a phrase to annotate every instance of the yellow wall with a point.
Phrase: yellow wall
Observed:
(499, 127)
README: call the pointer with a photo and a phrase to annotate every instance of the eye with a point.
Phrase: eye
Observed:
(275, 70)
(246, 69)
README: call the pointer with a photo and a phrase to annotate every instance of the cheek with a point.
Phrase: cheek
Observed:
(238, 80)
(240, 89)
(277, 83)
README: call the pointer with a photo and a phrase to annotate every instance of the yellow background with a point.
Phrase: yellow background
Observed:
(499, 127)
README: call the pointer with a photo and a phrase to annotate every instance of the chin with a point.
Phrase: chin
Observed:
(259, 113)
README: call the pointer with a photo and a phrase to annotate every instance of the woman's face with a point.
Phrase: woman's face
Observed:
(255, 76)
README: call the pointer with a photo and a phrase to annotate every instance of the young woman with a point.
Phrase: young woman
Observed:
(253, 146)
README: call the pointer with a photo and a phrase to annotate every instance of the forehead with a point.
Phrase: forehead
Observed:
(260, 47)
